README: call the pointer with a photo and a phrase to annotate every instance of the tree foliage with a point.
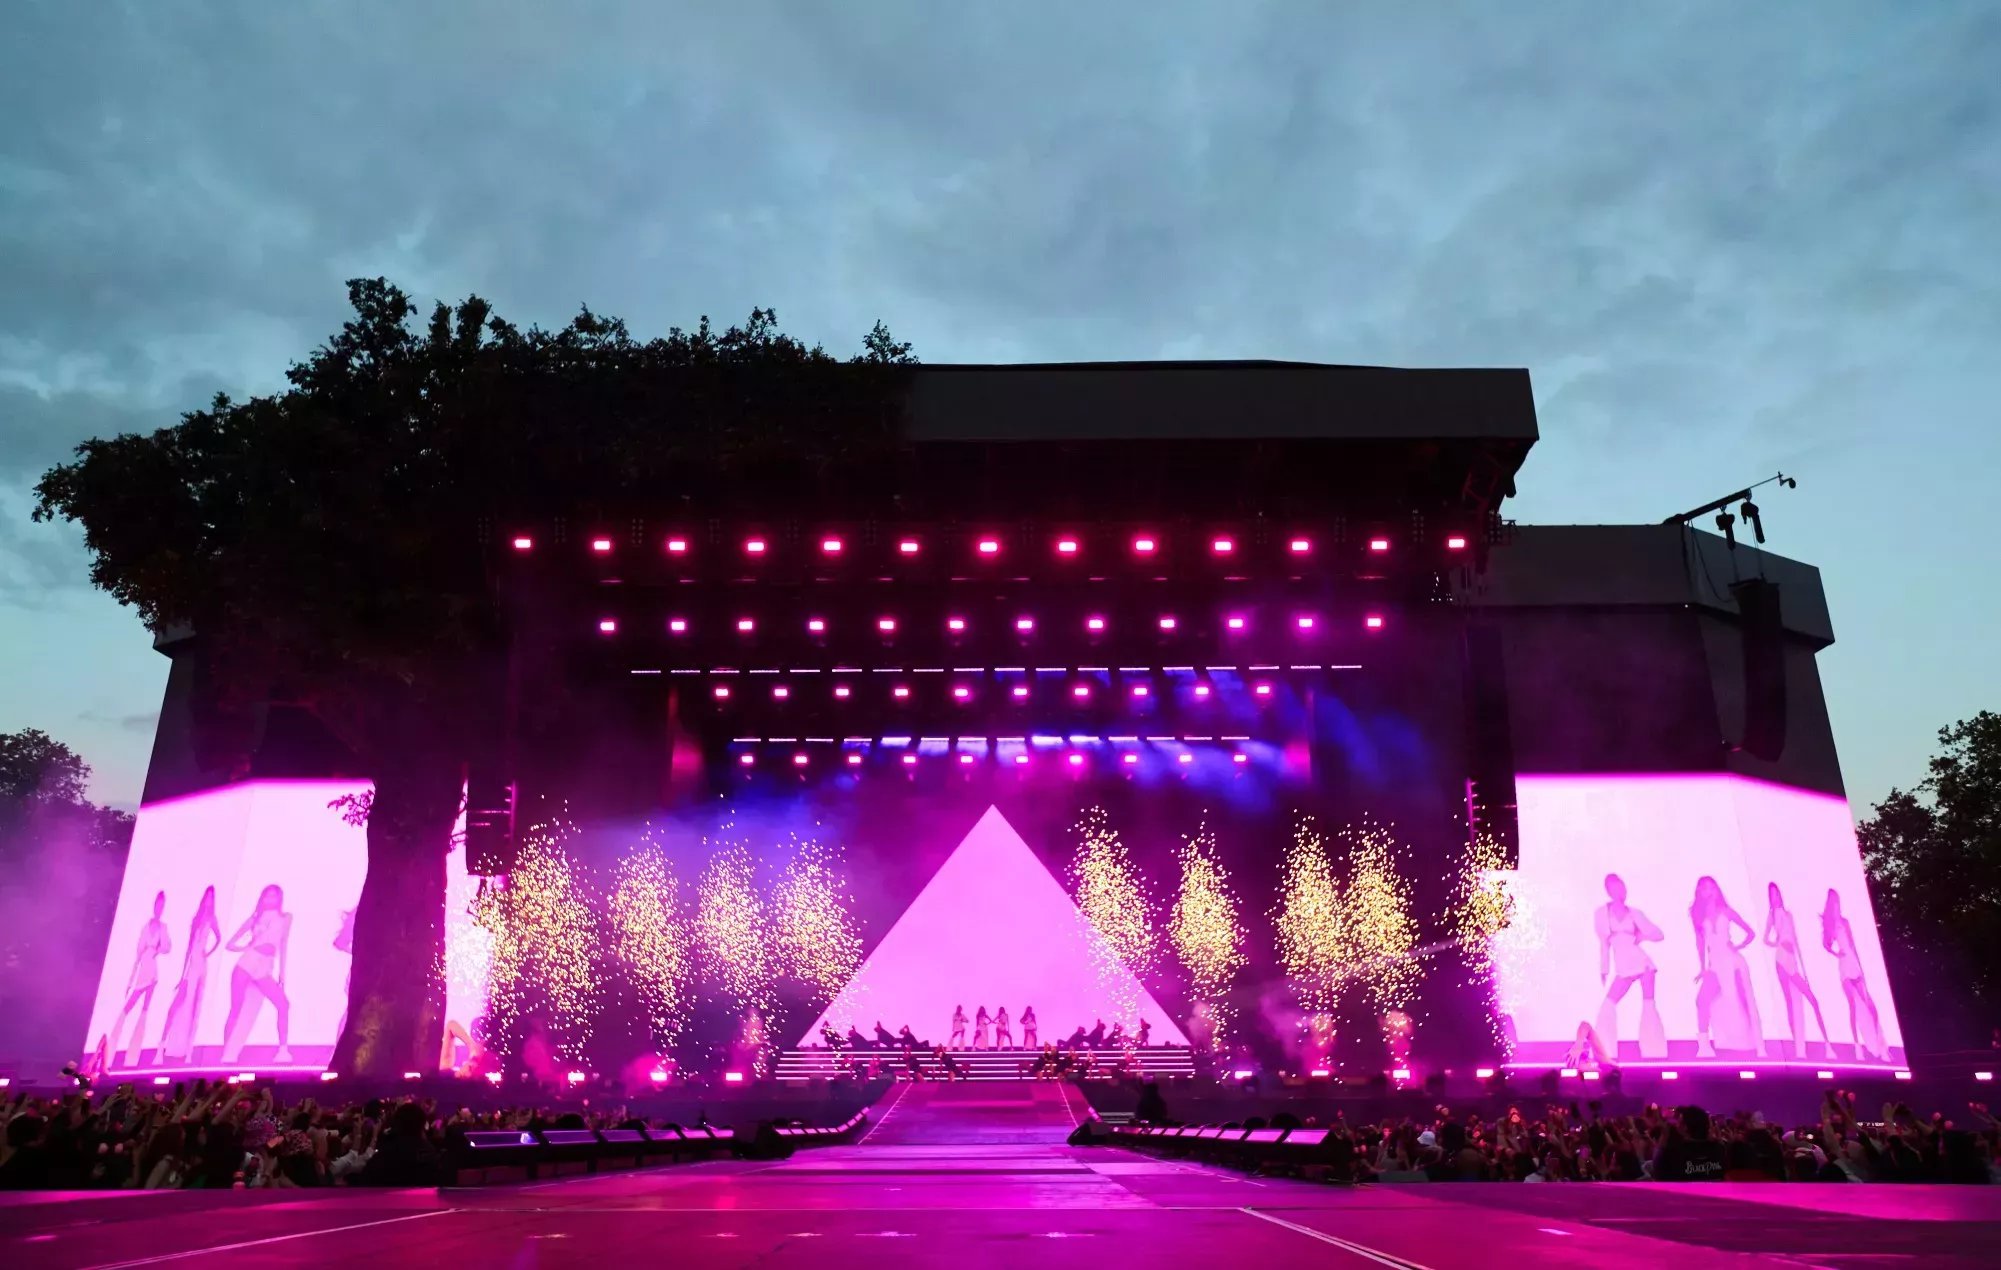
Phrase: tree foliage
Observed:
(1934, 861)
(323, 543)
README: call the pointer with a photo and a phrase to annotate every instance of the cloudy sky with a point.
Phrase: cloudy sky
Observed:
(1726, 239)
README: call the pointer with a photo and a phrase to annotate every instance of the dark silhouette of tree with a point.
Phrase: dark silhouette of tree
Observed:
(322, 544)
(1934, 861)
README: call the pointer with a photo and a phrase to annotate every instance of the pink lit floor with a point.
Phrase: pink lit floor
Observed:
(973, 1176)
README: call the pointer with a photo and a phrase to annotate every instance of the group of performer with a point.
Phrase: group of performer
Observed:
(989, 1032)
(1726, 1007)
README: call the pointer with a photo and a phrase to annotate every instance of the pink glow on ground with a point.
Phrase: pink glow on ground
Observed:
(1660, 833)
(933, 958)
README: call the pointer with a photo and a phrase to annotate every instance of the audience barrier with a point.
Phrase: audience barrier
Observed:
(1244, 1148)
(489, 1156)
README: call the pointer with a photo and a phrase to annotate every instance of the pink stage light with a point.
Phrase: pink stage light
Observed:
(989, 546)
(336, 1075)
(955, 624)
(842, 692)
(1983, 1076)
(1066, 547)
(745, 625)
(722, 692)
(413, 1075)
(1379, 545)
(746, 760)
(1240, 758)
(1139, 690)
(900, 692)
(910, 760)
(1021, 692)
(524, 544)
(657, 1076)
(966, 760)
(1235, 623)
(854, 760)
(1482, 1073)
(1373, 621)
(1567, 1073)
(1129, 759)
(168, 1080)
(1242, 1073)
(1591, 1075)
(601, 545)
(816, 625)
(1823, 1075)
(1201, 690)
(1300, 546)
(798, 760)
(1400, 1073)
(492, 1078)
(1455, 543)
(677, 625)
(962, 693)
(831, 546)
(781, 692)
(607, 626)
(887, 625)
(1145, 546)
(1024, 624)
(1021, 760)
(677, 546)
(1076, 760)
(1081, 691)
(1305, 623)
(576, 1078)
(1094, 623)
(1747, 1075)
(754, 546)
(1184, 758)
(1320, 1072)
(908, 546)
(1902, 1075)
(1167, 623)
(734, 1078)
(1263, 690)
(1222, 546)
(1670, 1075)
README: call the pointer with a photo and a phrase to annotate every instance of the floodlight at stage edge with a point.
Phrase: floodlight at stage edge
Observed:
(1379, 545)
(1223, 546)
(1455, 543)
(1145, 546)
(1066, 547)
(677, 546)
(524, 544)
(830, 546)
(754, 546)
(677, 625)
(601, 545)
(1300, 546)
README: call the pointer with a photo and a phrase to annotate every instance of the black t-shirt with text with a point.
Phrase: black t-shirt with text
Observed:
(1699, 1160)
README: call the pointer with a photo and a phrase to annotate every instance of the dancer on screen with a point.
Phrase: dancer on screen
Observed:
(1782, 937)
(1726, 1009)
(1622, 963)
(1863, 1022)
(262, 939)
(177, 1039)
(154, 943)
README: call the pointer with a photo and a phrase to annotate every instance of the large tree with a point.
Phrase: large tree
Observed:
(1934, 862)
(323, 545)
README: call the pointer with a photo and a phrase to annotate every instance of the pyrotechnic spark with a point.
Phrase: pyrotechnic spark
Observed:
(1312, 944)
(468, 949)
(816, 937)
(651, 941)
(1112, 895)
(731, 929)
(1481, 906)
(1204, 929)
(1376, 923)
(544, 944)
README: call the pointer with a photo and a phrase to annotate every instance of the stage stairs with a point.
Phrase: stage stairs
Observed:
(1153, 1062)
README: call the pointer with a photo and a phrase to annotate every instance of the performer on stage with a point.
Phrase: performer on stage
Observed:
(958, 1040)
(1003, 1033)
(1145, 1030)
(1028, 1027)
(154, 943)
(883, 1039)
(982, 1021)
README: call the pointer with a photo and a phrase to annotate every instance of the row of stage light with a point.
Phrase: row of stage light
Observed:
(887, 627)
(1073, 753)
(1144, 547)
(1078, 691)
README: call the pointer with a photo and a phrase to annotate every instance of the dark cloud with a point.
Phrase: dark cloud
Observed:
(1722, 237)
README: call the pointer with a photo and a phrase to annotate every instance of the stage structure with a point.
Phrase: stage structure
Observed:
(1199, 692)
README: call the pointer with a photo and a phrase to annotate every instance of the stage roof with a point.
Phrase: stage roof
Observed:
(1216, 400)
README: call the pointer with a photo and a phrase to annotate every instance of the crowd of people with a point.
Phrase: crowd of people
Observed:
(1681, 1144)
(225, 1136)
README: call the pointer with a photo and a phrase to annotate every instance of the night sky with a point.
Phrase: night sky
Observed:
(1724, 239)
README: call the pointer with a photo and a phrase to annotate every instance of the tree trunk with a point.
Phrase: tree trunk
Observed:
(396, 994)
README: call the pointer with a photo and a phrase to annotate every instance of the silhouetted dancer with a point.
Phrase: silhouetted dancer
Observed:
(1152, 1107)
(1097, 1036)
(882, 1036)
(856, 1041)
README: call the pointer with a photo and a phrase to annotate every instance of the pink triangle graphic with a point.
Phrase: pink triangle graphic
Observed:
(993, 928)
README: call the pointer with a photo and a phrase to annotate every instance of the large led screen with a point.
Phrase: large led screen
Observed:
(229, 946)
(1677, 919)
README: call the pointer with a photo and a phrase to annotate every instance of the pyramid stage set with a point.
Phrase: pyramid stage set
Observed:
(1201, 720)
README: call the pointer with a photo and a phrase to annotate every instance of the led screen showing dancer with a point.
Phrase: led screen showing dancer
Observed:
(1678, 886)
